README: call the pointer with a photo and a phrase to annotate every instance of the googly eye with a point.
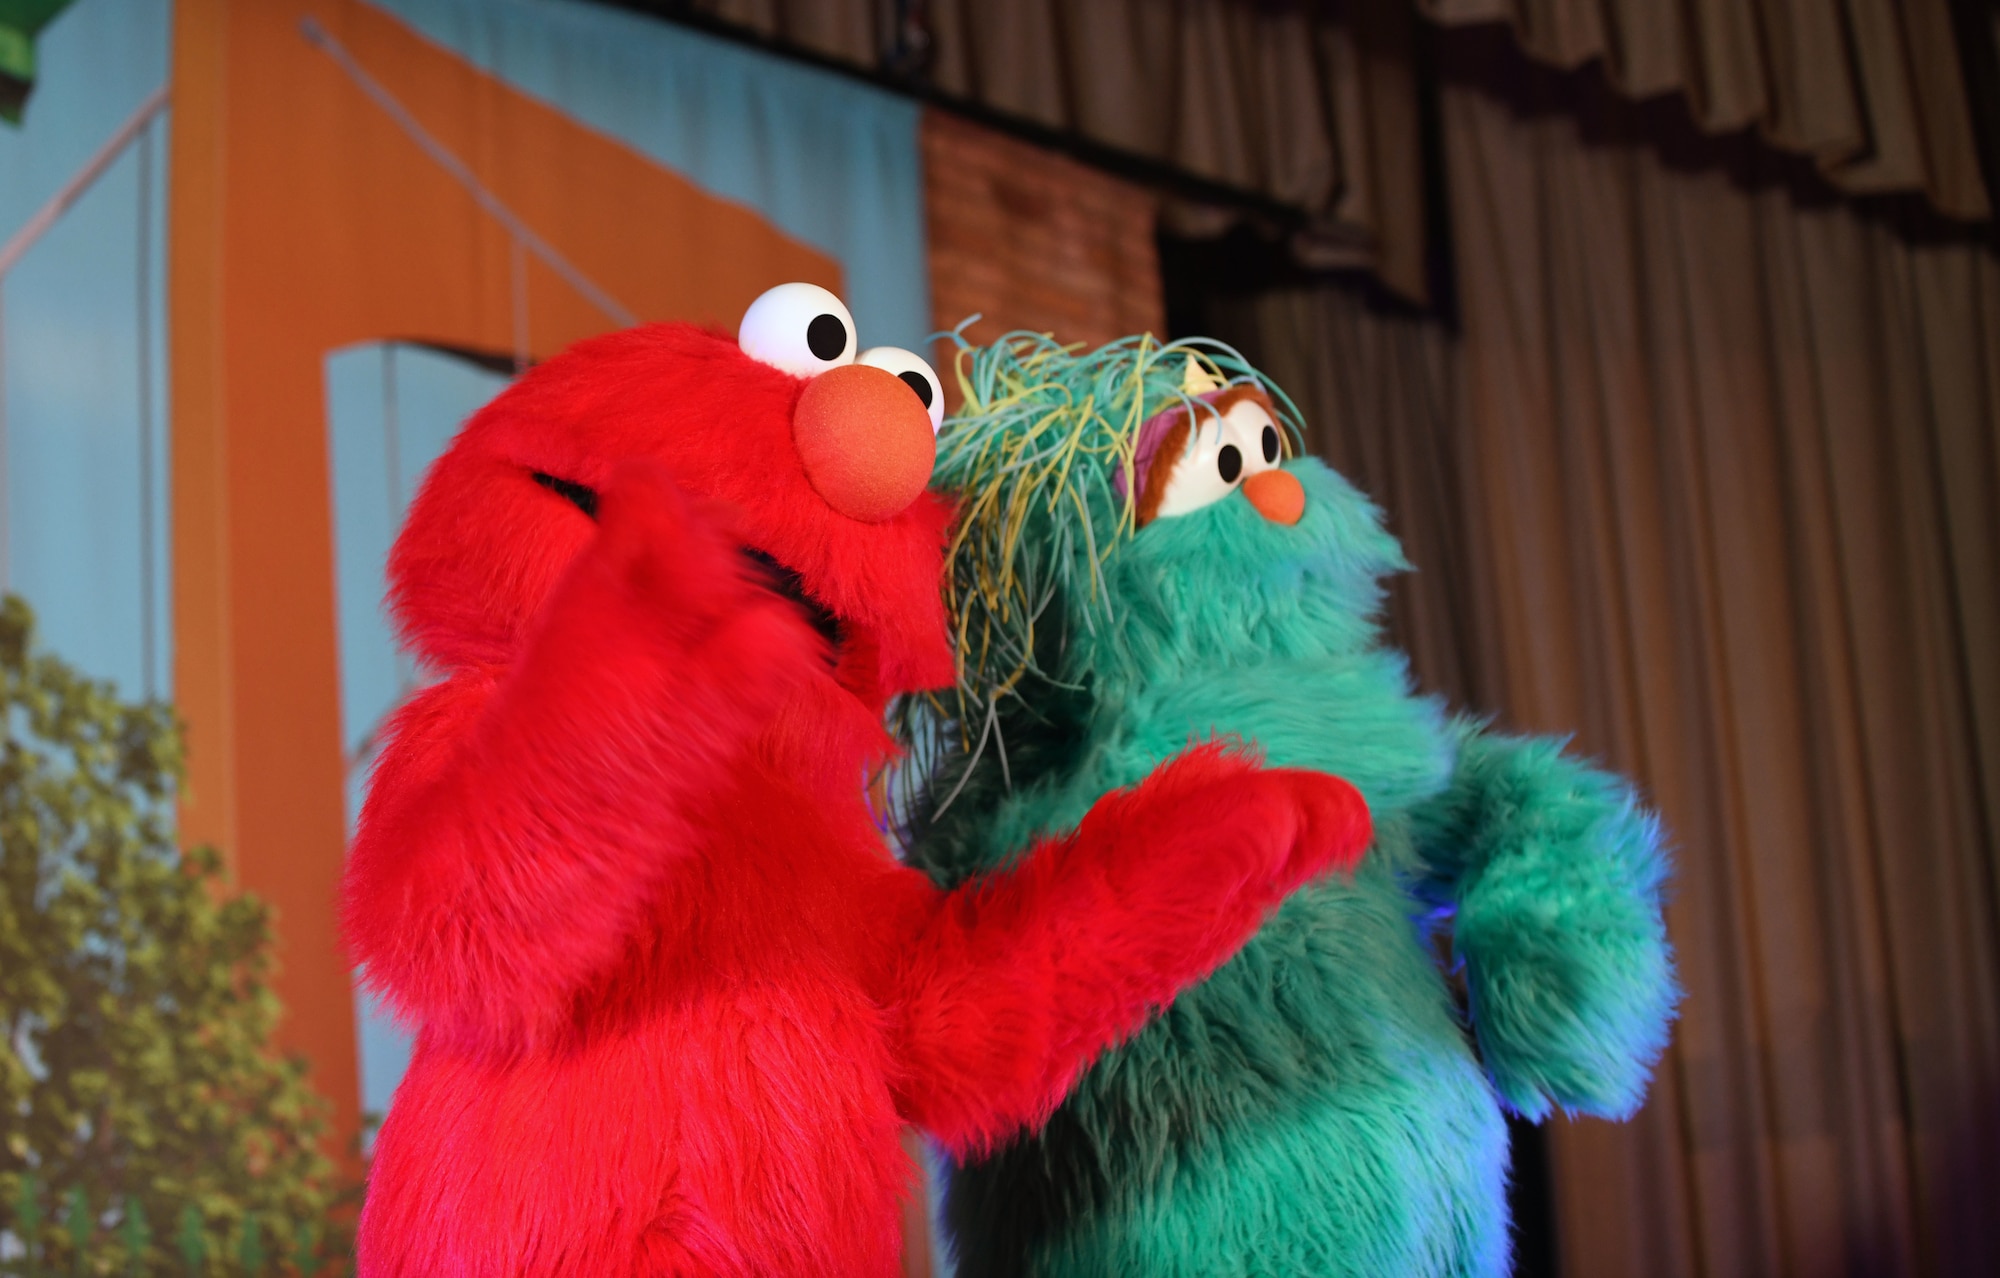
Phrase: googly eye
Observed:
(920, 376)
(800, 328)
(1207, 472)
(1248, 425)
(1224, 452)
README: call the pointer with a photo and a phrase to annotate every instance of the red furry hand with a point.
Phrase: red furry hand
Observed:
(525, 817)
(1217, 810)
(670, 552)
(1022, 978)
(1334, 827)
(678, 561)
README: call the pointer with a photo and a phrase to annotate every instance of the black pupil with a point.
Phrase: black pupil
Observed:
(920, 384)
(1229, 463)
(1270, 443)
(827, 336)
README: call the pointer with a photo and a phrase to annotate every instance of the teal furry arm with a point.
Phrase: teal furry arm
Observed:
(1555, 873)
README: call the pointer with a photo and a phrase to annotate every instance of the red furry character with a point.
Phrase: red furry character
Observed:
(676, 1002)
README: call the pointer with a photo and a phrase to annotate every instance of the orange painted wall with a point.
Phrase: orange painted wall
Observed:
(302, 220)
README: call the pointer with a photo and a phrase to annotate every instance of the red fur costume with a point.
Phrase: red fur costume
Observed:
(676, 1001)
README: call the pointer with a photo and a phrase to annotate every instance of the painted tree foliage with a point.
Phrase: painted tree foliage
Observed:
(145, 1121)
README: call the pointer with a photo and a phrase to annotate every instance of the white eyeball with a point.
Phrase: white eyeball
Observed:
(922, 378)
(1207, 471)
(800, 328)
(1224, 451)
(1256, 434)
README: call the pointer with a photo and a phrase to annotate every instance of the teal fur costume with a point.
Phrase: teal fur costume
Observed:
(1318, 1106)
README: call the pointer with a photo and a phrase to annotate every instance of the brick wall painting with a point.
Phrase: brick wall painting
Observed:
(1031, 239)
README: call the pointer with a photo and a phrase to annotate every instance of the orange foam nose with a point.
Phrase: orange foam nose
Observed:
(866, 441)
(1277, 495)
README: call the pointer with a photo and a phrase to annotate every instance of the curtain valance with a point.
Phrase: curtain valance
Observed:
(1870, 90)
(1311, 108)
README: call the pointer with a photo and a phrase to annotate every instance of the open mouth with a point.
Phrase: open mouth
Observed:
(785, 581)
(778, 578)
(581, 496)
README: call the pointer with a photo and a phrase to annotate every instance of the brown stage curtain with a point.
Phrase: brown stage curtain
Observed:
(1708, 475)
(1871, 90)
(1731, 458)
(1311, 107)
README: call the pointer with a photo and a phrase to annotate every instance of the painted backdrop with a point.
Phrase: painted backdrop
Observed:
(259, 258)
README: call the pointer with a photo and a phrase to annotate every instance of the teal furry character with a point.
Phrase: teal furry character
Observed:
(1138, 565)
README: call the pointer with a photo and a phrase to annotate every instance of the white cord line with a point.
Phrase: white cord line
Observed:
(58, 204)
(392, 462)
(6, 506)
(320, 38)
(24, 239)
(518, 268)
(147, 642)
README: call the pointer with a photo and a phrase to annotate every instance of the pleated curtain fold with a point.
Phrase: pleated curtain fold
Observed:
(1735, 464)
(1707, 475)
(1870, 90)
(1311, 107)
(1703, 467)
(1314, 107)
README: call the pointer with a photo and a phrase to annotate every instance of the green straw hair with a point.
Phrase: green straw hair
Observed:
(1032, 456)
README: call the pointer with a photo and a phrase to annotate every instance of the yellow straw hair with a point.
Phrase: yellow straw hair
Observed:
(1039, 454)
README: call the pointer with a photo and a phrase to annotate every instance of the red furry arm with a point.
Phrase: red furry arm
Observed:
(1014, 983)
(521, 822)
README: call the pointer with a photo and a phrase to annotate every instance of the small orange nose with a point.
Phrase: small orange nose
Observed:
(1277, 495)
(866, 441)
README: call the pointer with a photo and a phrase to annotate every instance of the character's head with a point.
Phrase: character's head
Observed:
(816, 457)
(1133, 514)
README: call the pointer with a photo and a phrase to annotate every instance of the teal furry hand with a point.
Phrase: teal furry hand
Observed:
(1558, 923)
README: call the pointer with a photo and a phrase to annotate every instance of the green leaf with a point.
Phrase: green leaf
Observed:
(80, 1227)
(135, 1236)
(250, 1246)
(28, 1214)
(191, 1242)
(305, 1249)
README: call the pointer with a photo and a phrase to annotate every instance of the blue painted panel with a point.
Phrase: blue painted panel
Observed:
(831, 161)
(390, 410)
(84, 503)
